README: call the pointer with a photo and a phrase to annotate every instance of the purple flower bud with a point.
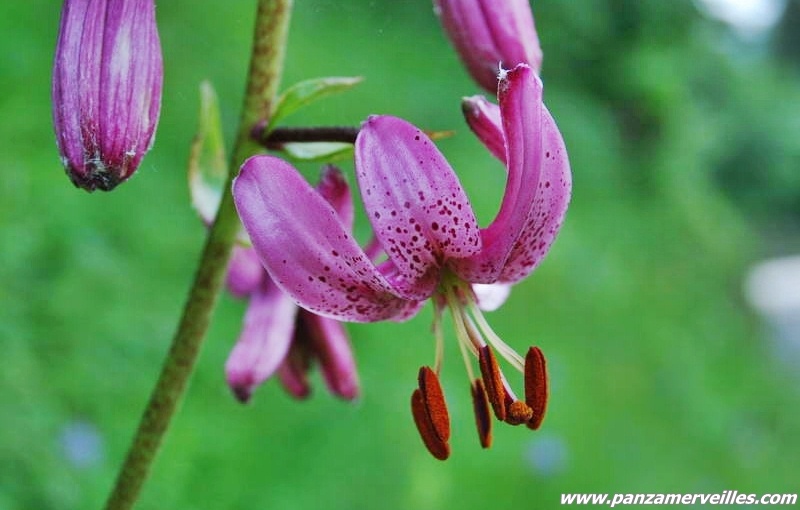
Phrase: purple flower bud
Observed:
(490, 33)
(107, 79)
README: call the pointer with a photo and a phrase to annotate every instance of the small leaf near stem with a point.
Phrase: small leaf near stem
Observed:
(306, 92)
(208, 169)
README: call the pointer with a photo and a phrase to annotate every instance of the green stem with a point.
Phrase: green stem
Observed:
(266, 65)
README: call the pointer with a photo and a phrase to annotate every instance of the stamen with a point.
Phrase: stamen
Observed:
(438, 448)
(439, 335)
(536, 386)
(474, 335)
(493, 380)
(505, 350)
(459, 322)
(465, 357)
(483, 420)
(433, 400)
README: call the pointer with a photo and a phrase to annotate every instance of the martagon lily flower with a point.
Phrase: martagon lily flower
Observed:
(422, 218)
(277, 337)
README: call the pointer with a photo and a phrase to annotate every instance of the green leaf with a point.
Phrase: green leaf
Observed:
(303, 93)
(208, 169)
(318, 151)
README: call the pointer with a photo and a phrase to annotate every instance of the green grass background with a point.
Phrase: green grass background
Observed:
(683, 144)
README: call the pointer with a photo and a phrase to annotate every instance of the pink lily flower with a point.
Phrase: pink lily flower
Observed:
(277, 337)
(422, 218)
(488, 34)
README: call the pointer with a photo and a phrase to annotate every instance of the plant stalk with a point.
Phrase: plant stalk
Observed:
(266, 66)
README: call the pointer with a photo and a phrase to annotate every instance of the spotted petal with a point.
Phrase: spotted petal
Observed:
(416, 205)
(549, 207)
(521, 110)
(308, 252)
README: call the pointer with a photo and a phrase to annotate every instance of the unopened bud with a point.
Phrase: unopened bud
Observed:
(488, 34)
(107, 80)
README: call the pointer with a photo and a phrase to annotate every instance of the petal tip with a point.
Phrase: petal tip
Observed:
(242, 392)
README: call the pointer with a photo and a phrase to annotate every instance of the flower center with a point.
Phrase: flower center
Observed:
(476, 339)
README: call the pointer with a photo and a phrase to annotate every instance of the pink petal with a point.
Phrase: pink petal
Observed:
(329, 343)
(491, 296)
(416, 205)
(491, 33)
(293, 372)
(307, 250)
(373, 248)
(335, 190)
(484, 120)
(520, 95)
(245, 272)
(549, 207)
(263, 342)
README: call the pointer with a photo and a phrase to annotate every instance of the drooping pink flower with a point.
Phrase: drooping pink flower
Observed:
(277, 337)
(107, 80)
(424, 222)
(488, 34)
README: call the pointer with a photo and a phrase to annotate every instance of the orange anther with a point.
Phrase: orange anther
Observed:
(493, 380)
(435, 406)
(536, 391)
(483, 418)
(438, 448)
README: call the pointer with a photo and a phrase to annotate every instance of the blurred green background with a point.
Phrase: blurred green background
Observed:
(683, 138)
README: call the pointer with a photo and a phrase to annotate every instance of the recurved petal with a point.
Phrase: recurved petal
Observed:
(329, 343)
(484, 120)
(335, 190)
(416, 205)
(308, 252)
(549, 207)
(263, 342)
(521, 110)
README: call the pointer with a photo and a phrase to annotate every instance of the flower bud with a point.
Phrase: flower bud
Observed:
(490, 33)
(107, 79)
